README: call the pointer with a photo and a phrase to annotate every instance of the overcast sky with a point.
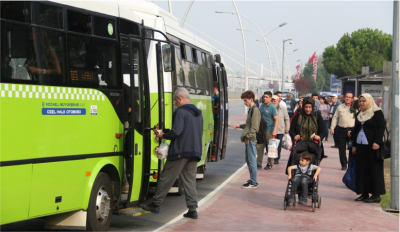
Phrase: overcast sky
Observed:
(313, 25)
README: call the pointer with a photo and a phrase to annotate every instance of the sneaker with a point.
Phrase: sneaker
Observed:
(276, 161)
(291, 200)
(192, 215)
(259, 166)
(151, 207)
(250, 185)
(325, 156)
(268, 167)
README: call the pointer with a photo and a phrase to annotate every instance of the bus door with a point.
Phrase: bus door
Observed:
(132, 60)
(224, 109)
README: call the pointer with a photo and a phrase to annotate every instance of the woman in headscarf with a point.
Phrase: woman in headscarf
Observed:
(307, 125)
(368, 133)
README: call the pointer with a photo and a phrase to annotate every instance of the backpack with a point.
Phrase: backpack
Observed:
(261, 135)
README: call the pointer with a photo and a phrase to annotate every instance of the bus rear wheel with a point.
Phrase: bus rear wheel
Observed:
(100, 204)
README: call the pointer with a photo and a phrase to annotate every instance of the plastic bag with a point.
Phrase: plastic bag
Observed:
(162, 151)
(273, 148)
(286, 142)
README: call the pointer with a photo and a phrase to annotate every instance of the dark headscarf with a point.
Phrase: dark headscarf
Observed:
(307, 123)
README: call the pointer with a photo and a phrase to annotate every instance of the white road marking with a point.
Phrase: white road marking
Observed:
(204, 200)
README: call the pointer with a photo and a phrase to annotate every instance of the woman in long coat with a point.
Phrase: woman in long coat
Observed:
(368, 133)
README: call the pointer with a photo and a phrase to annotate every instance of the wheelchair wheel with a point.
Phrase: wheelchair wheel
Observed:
(319, 201)
(313, 206)
(285, 203)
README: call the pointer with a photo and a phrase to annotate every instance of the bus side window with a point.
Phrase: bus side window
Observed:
(16, 11)
(49, 16)
(92, 63)
(33, 55)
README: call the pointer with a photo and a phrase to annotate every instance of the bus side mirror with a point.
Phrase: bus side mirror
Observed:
(168, 57)
(218, 58)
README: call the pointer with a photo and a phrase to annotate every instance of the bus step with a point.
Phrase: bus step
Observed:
(124, 197)
(132, 212)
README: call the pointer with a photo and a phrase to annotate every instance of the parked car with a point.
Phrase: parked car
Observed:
(284, 94)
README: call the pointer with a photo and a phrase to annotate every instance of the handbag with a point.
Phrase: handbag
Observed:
(384, 147)
(349, 178)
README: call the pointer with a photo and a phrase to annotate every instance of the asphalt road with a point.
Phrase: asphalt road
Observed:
(172, 206)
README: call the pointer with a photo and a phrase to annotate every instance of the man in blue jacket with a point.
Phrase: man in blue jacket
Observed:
(183, 154)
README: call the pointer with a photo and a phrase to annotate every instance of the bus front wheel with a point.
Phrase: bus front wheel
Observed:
(100, 204)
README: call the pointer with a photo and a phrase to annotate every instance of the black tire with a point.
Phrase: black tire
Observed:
(285, 204)
(101, 189)
(313, 206)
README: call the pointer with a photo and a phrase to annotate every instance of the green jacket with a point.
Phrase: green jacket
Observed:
(252, 124)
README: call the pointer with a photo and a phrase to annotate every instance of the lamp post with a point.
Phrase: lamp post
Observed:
(283, 62)
(265, 40)
(241, 29)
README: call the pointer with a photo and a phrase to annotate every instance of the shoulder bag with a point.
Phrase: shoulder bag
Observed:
(384, 147)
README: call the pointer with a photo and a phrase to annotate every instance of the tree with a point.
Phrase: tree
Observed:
(323, 77)
(364, 47)
(302, 85)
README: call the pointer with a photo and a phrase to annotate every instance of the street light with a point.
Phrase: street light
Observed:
(283, 61)
(248, 65)
(265, 40)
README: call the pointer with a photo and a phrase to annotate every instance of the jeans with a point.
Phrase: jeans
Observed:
(251, 160)
(280, 137)
(304, 181)
(327, 125)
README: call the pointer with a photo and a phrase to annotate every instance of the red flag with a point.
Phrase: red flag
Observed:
(312, 58)
(315, 63)
(298, 71)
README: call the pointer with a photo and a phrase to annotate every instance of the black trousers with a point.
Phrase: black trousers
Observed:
(343, 139)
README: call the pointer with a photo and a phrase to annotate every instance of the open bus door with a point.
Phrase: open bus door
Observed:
(225, 108)
(132, 61)
(220, 115)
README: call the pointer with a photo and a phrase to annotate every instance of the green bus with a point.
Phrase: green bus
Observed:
(73, 75)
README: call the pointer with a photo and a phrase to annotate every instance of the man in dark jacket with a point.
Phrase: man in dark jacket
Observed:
(184, 152)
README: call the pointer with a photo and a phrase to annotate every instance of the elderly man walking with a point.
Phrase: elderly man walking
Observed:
(290, 104)
(183, 154)
(334, 105)
(283, 124)
(346, 117)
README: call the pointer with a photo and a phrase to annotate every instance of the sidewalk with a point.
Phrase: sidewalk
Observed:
(237, 209)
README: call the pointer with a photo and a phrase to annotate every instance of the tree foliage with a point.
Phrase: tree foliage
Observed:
(364, 47)
(302, 85)
(323, 77)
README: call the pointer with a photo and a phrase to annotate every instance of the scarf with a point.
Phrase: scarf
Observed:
(368, 113)
(307, 123)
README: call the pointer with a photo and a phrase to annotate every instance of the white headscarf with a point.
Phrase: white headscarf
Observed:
(368, 113)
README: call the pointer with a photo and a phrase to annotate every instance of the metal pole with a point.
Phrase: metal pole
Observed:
(394, 180)
(186, 13)
(246, 84)
(283, 64)
(170, 6)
